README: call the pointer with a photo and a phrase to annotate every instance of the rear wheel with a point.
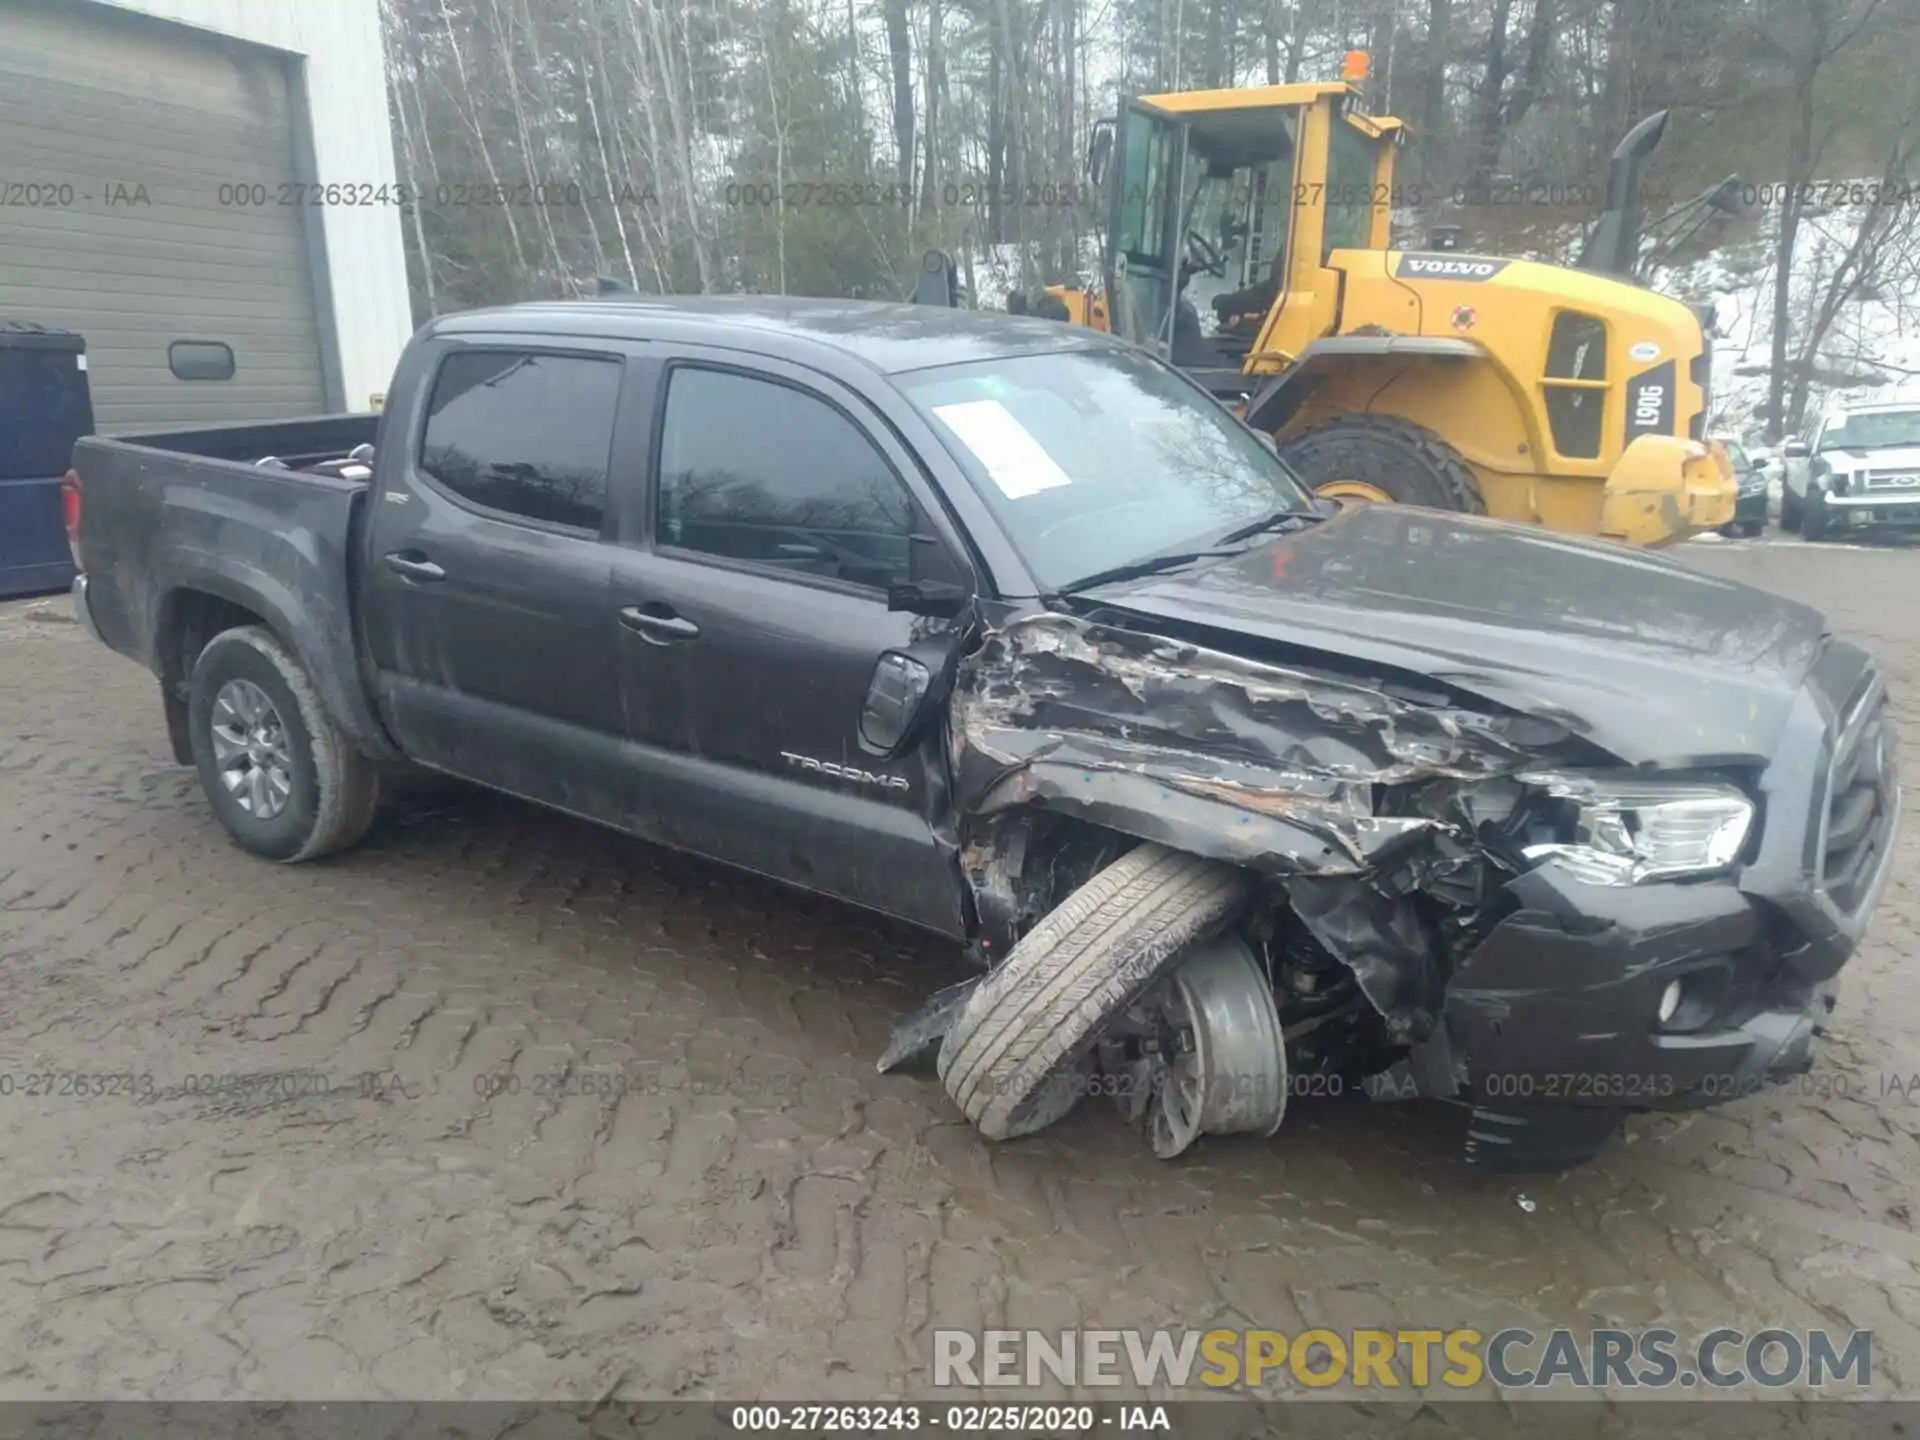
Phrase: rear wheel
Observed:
(1813, 516)
(282, 778)
(1384, 459)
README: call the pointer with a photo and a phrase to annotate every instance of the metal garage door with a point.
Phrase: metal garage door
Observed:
(101, 110)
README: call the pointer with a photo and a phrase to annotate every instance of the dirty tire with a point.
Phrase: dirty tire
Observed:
(1410, 463)
(1011, 1057)
(335, 789)
(1813, 516)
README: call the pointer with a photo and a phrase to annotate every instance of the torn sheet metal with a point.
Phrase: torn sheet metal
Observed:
(1378, 935)
(1267, 767)
(917, 1038)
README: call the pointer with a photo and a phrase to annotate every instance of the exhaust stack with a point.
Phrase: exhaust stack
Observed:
(1614, 246)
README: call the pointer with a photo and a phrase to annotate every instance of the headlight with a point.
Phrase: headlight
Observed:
(1609, 830)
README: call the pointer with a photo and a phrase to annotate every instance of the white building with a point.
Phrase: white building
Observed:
(205, 190)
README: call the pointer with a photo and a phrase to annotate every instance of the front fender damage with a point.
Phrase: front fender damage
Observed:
(1345, 794)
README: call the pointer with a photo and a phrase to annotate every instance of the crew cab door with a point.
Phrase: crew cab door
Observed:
(1144, 244)
(751, 590)
(1796, 469)
(486, 600)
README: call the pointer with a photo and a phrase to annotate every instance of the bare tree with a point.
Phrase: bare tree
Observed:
(1803, 37)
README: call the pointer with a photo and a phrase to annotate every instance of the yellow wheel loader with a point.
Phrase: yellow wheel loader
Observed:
(1572, 398)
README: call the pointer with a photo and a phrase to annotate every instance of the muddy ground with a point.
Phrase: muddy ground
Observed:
(759, 1215)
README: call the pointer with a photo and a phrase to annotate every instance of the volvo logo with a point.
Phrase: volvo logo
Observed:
(1448, 267)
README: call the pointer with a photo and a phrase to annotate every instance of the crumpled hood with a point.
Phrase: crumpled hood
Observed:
(1654, 662)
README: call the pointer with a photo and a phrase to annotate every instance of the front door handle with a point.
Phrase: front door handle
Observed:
(414, 566)
(658, 629)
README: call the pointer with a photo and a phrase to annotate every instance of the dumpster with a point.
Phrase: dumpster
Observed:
(45, 405)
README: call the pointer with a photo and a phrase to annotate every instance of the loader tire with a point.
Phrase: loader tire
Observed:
(1378, 457)
(1011, 1060)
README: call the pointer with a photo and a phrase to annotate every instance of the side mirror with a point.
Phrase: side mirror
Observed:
(1099, 152)
(937, 599)
(895, 698)
(1796, 450)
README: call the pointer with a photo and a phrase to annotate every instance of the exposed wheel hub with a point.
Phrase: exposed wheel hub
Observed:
(250, 749)
(1219, 1064)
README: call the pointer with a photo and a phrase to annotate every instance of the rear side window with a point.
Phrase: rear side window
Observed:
(756, 471)
(526, 434)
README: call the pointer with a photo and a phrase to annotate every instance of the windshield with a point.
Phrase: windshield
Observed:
(1101, 458)
(1872, 431)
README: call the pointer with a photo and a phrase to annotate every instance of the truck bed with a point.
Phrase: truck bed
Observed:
(296, 442)
(187, 518)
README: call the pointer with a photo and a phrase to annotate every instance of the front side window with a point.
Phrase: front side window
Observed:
(526, 434)
(1150, 155)
(756, 471)
(1099, 458)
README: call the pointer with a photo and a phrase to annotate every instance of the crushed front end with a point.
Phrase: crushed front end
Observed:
(1596, 994)
(1458, 901)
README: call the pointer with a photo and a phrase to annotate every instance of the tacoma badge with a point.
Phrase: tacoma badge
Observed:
(846, 772)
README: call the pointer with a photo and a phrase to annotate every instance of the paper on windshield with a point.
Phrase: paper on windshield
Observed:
(1014, 460)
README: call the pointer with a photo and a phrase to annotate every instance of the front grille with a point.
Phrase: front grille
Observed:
(1892, 480)
(1861, 798)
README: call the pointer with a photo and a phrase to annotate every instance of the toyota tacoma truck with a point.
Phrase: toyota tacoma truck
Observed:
(1010, 632)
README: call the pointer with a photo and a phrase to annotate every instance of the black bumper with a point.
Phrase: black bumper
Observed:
(1560, 1004)
(1551, 1026)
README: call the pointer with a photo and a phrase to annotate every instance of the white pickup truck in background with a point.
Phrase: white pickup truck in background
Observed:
(1857, 468)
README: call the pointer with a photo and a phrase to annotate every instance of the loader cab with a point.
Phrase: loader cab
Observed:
(1225, 206)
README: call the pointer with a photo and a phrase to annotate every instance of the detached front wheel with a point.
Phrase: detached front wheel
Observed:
(282, 779)
(1013, 1058)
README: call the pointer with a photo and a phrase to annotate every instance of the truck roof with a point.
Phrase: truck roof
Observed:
(888, 337)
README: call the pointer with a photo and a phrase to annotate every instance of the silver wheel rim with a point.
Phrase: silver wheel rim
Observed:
(1227, 1072)
(250, 749)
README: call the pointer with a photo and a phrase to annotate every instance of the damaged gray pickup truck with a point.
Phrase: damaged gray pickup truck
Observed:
(1011, 632)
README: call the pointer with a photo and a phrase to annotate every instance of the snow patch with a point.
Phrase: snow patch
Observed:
(1872, 352)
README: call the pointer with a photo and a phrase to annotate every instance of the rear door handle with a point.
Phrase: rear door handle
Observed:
(414, 566)
(658, 629)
